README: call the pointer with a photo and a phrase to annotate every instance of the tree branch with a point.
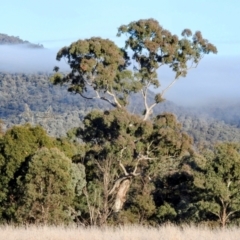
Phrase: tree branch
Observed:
(123, 168)
(231, 213)
(117, 184)
(99, 166)
(115, 99)
(217, 215)
(169, 86)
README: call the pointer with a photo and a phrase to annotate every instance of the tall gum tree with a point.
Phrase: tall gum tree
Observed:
(121, 145)
(154, 47)
(100, 69)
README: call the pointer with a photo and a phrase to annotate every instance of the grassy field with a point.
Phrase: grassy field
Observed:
(121, 233)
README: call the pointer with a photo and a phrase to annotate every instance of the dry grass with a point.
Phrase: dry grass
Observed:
(121, 233)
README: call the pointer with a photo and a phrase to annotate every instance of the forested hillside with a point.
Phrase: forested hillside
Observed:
(108, 150)
(32, 98)
(12, 40)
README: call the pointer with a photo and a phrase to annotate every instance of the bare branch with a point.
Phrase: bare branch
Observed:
(143, 157)
(120, 163)
(108, 100)
(121, 153)
(135, 169)
(115, 99)
(140, 158)
(231, 213)
(99, 166)
(100, 97)
(89, 98)
(144, 93)
(88, 83)
(117, 184)
(218, 215)
(189, 68)
(123, 168)
(169, 86)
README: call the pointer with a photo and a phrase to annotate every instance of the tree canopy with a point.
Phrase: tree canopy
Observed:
(121, 146)
(37, 175)
(99, 65)
(219, 181)
(118, 167)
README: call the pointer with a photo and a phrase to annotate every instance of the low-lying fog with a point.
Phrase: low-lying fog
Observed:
(215, 80)
(23, 59)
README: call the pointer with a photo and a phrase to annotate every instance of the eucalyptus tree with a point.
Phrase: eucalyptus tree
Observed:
(153, 47)
(29, 160)
(48, 193)
(121, 146)
(16, 146)
(218, 184)
(99, 65)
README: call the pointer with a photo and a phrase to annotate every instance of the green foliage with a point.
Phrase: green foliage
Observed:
(69, 148)
(97, 64)
(48, 189)
(140, 202)
(22, 151)
(154, 46)
(166, 213)
(16, 146)
(220, 195)
(120, 143)
(78, 178)
(158, 98)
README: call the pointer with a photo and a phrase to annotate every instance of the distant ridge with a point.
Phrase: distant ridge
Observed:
(31, 98)
(11, 40)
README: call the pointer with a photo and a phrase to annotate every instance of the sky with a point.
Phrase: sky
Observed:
(55, 24)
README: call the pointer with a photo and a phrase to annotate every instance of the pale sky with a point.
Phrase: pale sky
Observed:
(57, 23)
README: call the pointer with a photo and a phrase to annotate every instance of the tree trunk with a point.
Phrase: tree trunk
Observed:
(223, 216)
(121, 194)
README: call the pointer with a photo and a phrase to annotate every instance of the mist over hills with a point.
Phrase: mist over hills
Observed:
(19, 56)
(31, 98)
(26, 95)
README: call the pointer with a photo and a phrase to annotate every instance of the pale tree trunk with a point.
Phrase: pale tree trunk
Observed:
(223, 218)
(105, 211)
(144, 91)
(114, 199)
(121, 194)
(122, 185)
(224, 215)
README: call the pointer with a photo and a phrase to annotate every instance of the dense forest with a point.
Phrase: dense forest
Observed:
(95, 146)
(31, 98)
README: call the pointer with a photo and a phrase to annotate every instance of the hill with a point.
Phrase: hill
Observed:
(12, 40)
(32, 98)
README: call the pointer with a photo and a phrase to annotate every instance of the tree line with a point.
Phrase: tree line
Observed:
(158, 177)
(30, 98)
(120, 167)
